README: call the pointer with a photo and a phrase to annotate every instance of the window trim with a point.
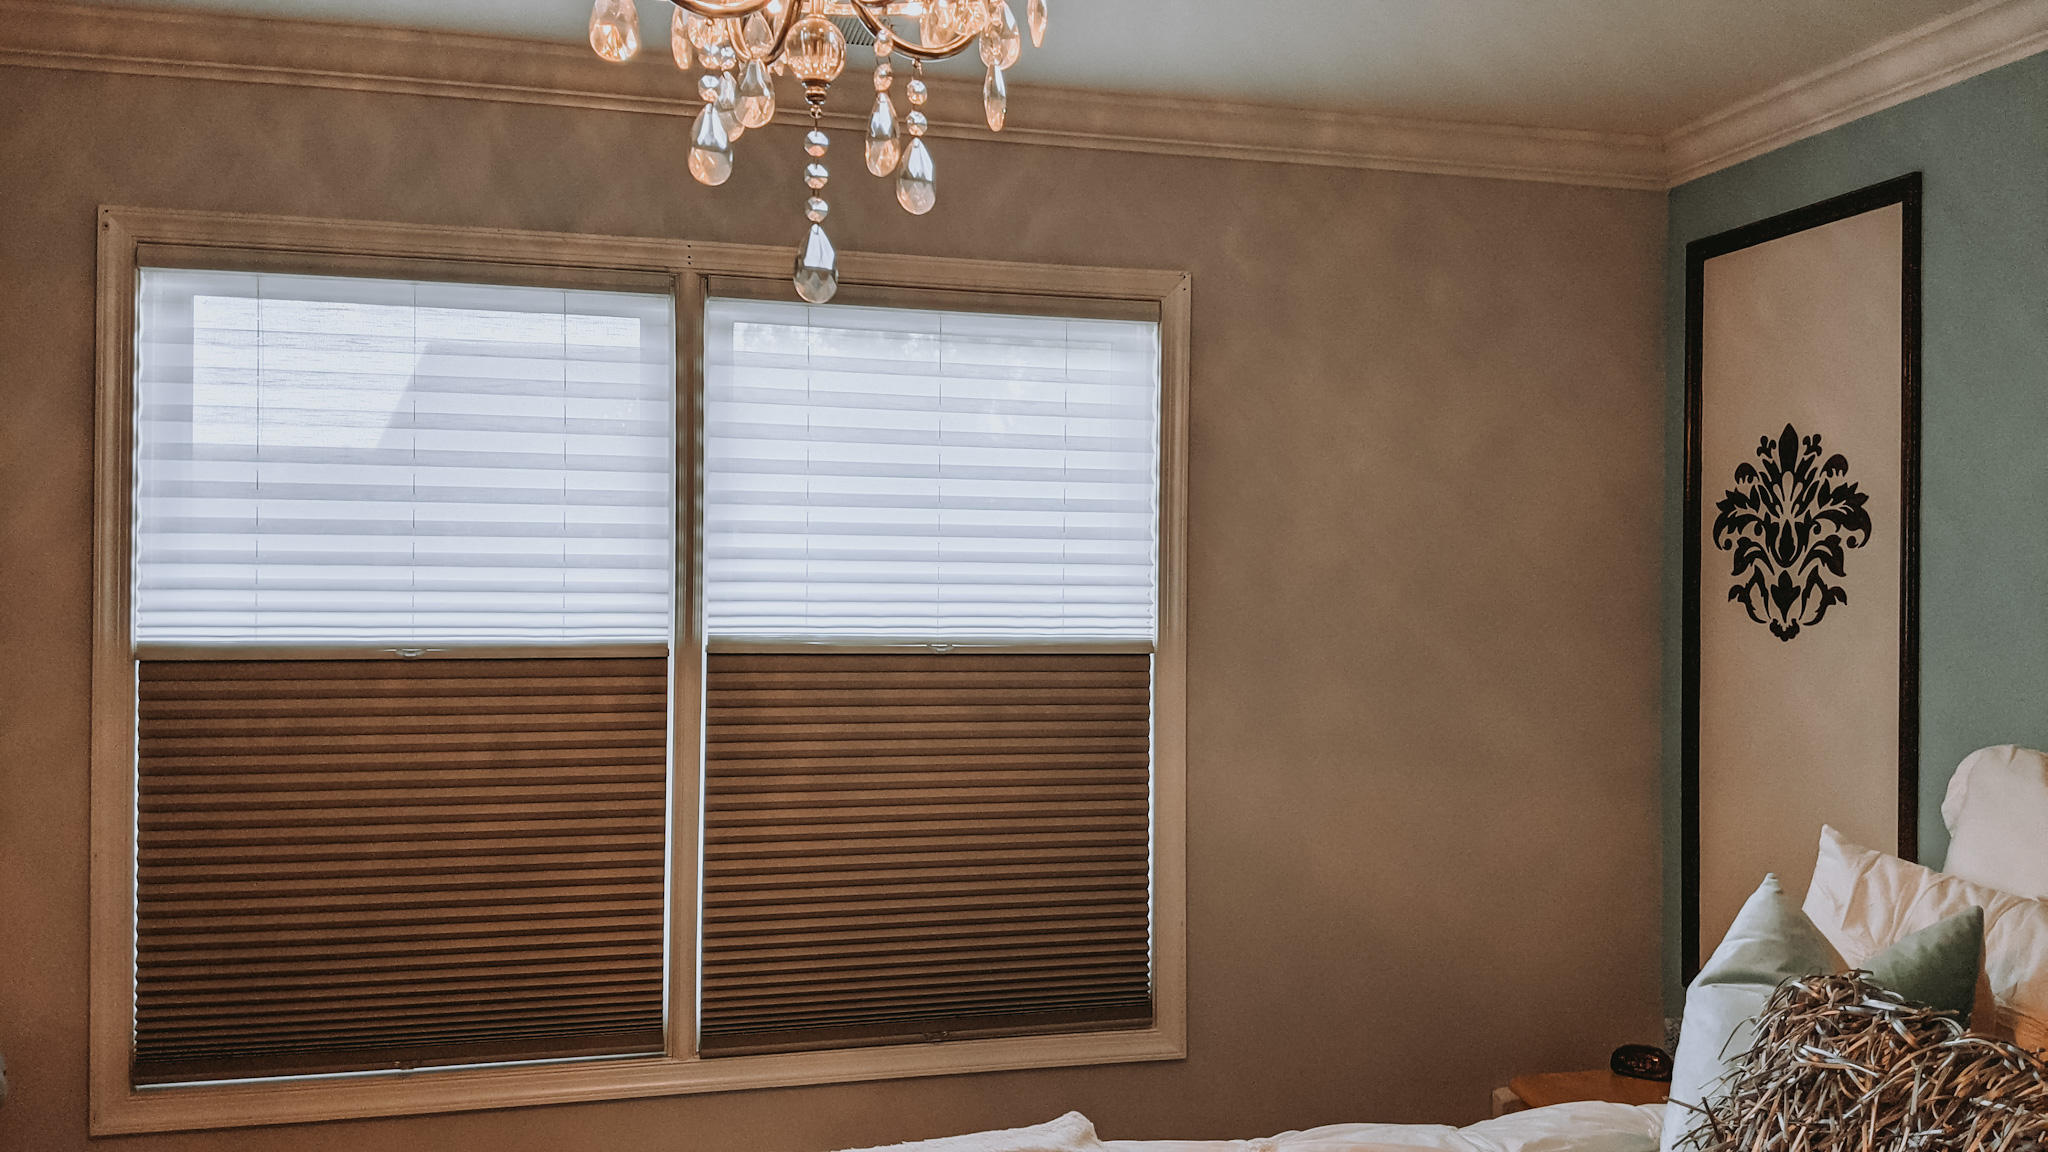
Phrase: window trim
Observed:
(129, 238)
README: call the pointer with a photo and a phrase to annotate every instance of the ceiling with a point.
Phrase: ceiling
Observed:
(1608, 65)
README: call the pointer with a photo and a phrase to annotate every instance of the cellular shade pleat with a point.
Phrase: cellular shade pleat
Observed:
(887, 472)
(866, 881)
(346, 460)
(464, 882)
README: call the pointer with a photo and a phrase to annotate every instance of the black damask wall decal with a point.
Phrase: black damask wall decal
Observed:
(1790, 527)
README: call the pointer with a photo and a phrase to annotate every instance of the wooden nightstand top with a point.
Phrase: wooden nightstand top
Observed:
(1547, 1088)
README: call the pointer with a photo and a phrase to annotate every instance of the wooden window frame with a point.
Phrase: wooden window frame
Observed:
(132, 238)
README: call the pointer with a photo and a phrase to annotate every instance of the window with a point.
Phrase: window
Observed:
(932, 818)
(359, 845)
(588, 679)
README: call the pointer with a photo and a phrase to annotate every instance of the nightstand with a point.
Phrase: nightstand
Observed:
(1546, 1088)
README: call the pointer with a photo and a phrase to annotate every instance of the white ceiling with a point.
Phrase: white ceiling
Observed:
(1609, 65)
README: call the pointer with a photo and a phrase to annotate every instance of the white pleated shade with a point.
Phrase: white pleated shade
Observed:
(894, 474)
(341, 460)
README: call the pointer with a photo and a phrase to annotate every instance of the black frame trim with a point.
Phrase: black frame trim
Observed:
(1905, 191)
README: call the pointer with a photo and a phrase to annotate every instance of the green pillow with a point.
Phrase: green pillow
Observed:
(1936, 966)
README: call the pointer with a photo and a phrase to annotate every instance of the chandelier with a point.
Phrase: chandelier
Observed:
(743, 45)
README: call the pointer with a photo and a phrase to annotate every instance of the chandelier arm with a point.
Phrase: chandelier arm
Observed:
(721, 9)
(914, 51)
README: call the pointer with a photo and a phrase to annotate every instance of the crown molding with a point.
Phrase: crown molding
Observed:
(196, 45)
(1933, 56)
(213, 46)
(1219, 129)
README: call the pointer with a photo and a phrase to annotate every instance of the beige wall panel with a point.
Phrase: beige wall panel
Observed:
(1424, 566)
(1802, 330)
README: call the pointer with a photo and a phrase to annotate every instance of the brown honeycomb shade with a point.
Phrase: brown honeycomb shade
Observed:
(361, 864)
(902, 847)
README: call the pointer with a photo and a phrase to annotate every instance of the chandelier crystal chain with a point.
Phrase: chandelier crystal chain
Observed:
(743, 46)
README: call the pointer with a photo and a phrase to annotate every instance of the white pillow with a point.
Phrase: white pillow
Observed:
(1997, 817)
(1864, 901)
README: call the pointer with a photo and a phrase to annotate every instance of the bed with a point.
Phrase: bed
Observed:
(1861, 901)
(1581, 1127)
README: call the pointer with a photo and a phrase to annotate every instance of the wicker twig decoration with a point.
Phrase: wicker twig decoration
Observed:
(1841, 1065)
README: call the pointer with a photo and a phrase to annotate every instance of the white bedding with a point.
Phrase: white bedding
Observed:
(1587, 1127)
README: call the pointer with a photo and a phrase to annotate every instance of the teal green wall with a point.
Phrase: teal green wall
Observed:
(1983, 146)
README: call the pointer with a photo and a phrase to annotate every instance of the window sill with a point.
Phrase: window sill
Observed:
(250, 1103)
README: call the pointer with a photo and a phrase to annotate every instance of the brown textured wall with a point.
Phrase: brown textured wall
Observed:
(1424, 545)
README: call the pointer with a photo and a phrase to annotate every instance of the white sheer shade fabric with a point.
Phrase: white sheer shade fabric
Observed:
(325, 460)
(885, 474)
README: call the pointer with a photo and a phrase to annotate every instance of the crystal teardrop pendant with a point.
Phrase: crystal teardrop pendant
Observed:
(728, 105)
(885, 142)
(817, 267)
(1001, 42)
(710, 148)
(707, 35)
(758, 35)
(970, 18)
(995, 100)
(615, 30)
(756, 96)
(1036, 15)
(945, 21)
(917, 186)
(679, 44)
